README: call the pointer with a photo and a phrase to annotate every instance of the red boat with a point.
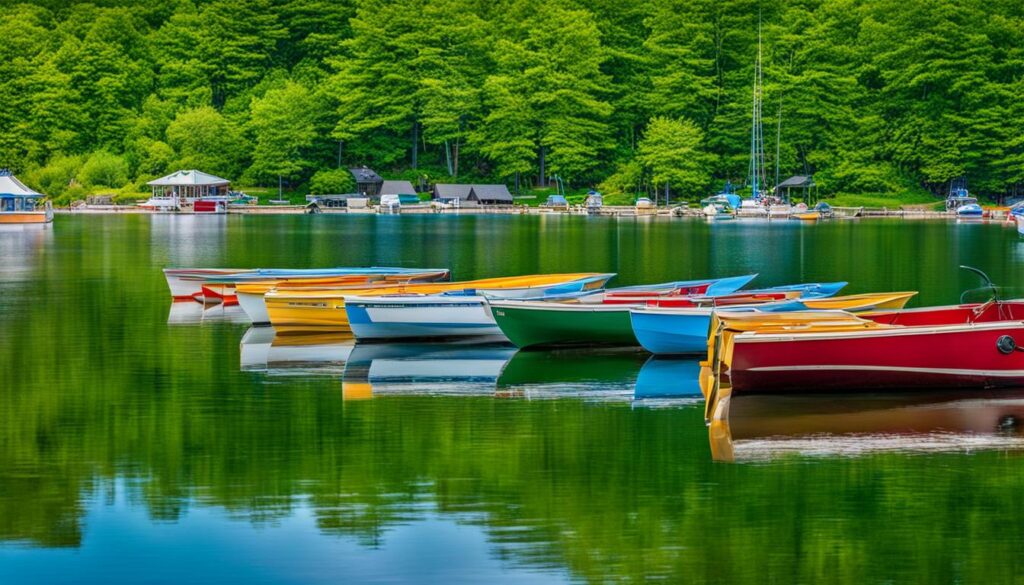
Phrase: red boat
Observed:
(969, 346)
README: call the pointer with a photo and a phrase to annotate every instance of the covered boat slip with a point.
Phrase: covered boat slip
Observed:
(188, 188)
(308, 308)
(20, 204)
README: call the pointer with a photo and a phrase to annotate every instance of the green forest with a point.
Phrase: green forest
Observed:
(869, 96)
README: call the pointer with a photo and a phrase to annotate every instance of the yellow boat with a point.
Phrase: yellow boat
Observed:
(807, 216)
(297, 307)
(250, 294)
(861, 302)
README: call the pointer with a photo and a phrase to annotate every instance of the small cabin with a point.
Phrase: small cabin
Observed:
(368, 182)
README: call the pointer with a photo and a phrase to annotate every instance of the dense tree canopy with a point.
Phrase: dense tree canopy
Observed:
(874, 96)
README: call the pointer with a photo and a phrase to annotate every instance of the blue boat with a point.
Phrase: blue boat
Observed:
(817, 290)
(960, 201)
(684, 331)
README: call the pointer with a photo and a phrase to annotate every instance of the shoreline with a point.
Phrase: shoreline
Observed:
(607, 211)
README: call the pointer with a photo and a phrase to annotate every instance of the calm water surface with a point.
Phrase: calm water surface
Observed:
(141, 442)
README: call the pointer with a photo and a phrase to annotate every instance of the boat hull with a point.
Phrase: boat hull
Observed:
(950, 356)
(254, 307)
(438, 317)
(537, 325)
(25, 217)
(680, 332)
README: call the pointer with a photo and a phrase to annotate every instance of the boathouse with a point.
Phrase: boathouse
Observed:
(389, 187)
(187, 186)
(368, 182)
(14, 195)
(472, 194)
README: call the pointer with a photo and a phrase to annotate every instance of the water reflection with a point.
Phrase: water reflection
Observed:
(469, 367)
(127, 445)
(192, 313)
(308, 353)
(765, 427)
(21, 251)
(663, 377)
(594, 373)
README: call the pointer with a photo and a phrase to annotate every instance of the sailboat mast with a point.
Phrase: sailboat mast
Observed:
(758, 177)
(778, 140)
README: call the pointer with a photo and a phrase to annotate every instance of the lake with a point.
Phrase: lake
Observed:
(141, 442)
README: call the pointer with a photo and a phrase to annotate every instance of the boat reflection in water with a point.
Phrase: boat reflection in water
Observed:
(192, 313)
(664, 377)
(468, 367)
(299, 354)
(588, 373)
(759, 427)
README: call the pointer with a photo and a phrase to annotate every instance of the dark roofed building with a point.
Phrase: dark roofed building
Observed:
(368, 182)
(448, 192)
(492, 194)
(797, 182)
(472, 194)
(397, 188)
(802, 183)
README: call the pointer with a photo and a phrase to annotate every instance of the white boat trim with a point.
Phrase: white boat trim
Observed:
(905, 369)
(882, 331)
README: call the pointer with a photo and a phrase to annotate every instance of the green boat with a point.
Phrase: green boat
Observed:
(545, 324)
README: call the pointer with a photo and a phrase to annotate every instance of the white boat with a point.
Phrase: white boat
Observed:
(751, 208)
(186, 283)
(1020, 224)
(420, 316)
(165, 204)
(453, 314)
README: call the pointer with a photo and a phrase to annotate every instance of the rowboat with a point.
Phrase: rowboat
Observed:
(187, 283)
(326, 308)
(807, 216)
(250, 294)
(547, 324)
(458, 314)
(682, 331)
(968, 346)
